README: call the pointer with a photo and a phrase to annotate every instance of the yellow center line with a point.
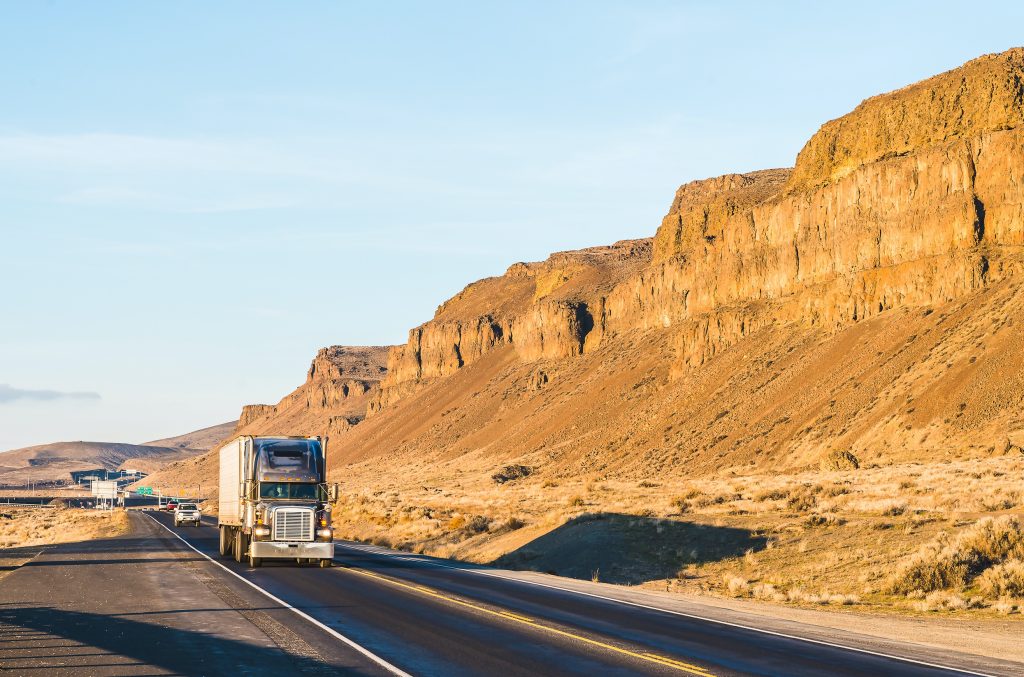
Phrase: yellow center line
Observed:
(645, 656)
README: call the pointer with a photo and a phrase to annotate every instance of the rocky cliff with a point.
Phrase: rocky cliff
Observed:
(868, 299)
(913, 201)
(339, 384)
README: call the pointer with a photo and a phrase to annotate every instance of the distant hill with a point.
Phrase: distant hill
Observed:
(54, 462)
(201, 440)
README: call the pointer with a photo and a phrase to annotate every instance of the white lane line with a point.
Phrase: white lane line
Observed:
(331, 631)
(774, 633)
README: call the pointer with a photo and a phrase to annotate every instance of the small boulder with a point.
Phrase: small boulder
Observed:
(839, 460)
(511, 472)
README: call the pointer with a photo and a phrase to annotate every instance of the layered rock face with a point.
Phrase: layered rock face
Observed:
(545, 310)
(909, 200)
(868, 299)
(339, 384)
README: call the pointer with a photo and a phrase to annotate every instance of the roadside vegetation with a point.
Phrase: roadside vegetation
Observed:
(935, 538)
(22, 527)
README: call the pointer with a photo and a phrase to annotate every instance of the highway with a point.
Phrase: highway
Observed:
(382, 612)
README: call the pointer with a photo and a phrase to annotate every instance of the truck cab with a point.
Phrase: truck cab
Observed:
(274, 500)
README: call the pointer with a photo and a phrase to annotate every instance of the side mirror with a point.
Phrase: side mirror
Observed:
(333, 492)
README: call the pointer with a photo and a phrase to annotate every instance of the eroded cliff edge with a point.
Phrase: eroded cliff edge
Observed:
(868, 299)
(913, 199)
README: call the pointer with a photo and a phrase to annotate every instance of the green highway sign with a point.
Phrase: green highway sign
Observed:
(144, 491)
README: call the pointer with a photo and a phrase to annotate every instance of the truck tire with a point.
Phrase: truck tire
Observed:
(241, 545)
(325, 563)
(225, 541)
(255, 562)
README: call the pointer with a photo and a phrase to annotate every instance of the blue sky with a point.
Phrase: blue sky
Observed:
(196, 196)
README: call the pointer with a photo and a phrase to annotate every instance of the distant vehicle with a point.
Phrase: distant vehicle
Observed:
(171, 505)
(274, 500)
(187, 513)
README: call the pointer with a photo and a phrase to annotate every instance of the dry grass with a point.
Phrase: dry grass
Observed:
(945, 563)
(814, 538)
(21, 527)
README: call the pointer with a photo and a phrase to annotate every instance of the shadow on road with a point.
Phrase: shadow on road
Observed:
(180, 651)
(627, 549)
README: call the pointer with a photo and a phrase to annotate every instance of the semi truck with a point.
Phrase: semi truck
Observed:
(275, 502)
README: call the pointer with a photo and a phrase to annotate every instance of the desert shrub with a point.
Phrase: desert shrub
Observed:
(776, 494)
(1003, 580)
(513, 523)
(839, 460)
(511, 472)
(946, 564)
(718, 499)
(835, 490)
(576, 501)
(736, 585)
(382, 541)
(894, 509)
(478, 525)
(1005, 606)
(941, 600)
(767, 591)
(821, 521)
(802, 501)
(456, 523)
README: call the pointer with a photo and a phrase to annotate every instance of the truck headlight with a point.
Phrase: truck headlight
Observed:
(325, 534)
(261, 532)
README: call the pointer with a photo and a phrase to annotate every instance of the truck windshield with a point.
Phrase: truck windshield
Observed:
(299, 456)
(288, 490)
(187, 506)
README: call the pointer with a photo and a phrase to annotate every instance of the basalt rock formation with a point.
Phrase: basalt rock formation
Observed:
(339, 384)
(912, 201)
(867, 300)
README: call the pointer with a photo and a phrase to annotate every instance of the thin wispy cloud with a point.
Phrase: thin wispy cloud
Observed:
(10, 394)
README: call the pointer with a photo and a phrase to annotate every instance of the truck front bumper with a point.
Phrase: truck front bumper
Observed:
(277, 549)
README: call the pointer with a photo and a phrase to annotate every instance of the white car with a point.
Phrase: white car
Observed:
(187, 512)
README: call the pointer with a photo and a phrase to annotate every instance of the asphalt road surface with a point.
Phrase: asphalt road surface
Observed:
(153, 602)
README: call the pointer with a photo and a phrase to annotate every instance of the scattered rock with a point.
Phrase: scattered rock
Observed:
(840, 460)
(511, 472)
(538, 379)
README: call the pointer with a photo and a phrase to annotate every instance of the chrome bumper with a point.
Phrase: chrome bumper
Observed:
(272, 549)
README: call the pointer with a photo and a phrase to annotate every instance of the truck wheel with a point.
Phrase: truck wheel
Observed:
(225, 542)
(255, 562)
(241, 545)
(325, 564)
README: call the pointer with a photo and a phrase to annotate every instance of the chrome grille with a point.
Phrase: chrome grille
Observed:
(293, 524)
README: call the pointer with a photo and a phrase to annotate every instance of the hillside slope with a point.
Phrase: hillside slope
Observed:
(48, 463)
(202, 440)
(340, 383)
(868, 300)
